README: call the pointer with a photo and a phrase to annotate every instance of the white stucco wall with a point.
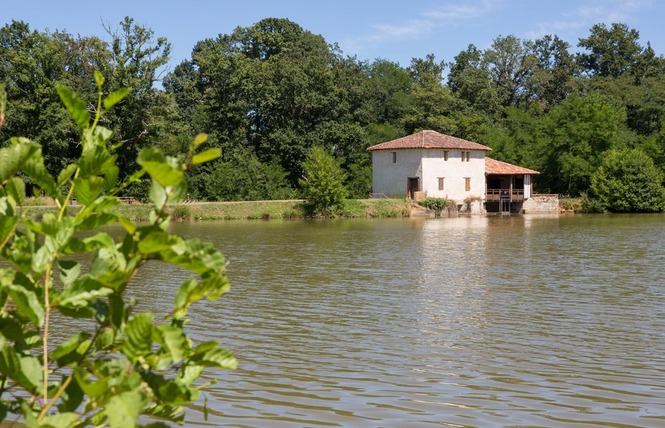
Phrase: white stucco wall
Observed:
(454, 171)
(391, 178)
(429, 164)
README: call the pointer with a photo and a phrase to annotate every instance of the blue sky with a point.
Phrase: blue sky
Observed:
(388, 29)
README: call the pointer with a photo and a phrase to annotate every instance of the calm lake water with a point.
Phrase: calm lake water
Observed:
(483, 321)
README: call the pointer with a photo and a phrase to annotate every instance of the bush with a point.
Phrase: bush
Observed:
(323, 183)
(181, 213)
(627, 181)
(590, 205)
(436, 204)
(121, 365)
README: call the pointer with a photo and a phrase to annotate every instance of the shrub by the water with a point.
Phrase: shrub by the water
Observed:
(323, 183)
(626, 181)
(436, 204)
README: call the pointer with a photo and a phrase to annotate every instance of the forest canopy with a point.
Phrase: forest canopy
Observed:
(268, 93)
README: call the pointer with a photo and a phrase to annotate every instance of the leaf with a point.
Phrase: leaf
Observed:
(190, 373)
(139, 336)
(94, 160)
(69, 271)
(88, 189)
(118, 311)
(123, 409)
(101, 136)
(198, 140)
(177, 393)
(15, 188)
(71, 350)
(200, 257)
(71, 398)
(170, 413)
(192, 291)
(81, 292)
(29, 415)
(35, 169)
(76, 107)
(66, 174)
(111, 173)
(93, 221)
(160, 241)
(92, 389)
(29, 373)
(41, 259)
(157, 194)
(60, 420)
(25, 370)
(174, 340)
(27, 303)
(99, 79)
(154, 162)
(12, 158)
(215, 357)
(91, 243)
(115, 97)
(105, 339)
(31, 369)
(8, 218)
(111, 267)
(9, 363)
(206, 156)
(68, 346)
(22, 250)
(11, 329)
(49, 224)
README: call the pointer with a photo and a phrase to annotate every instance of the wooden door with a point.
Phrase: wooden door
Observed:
(413, 186)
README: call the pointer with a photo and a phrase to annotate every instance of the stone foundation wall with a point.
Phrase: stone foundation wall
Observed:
(542, 204)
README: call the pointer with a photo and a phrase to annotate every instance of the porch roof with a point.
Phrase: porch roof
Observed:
(429, 140)
(493, 166)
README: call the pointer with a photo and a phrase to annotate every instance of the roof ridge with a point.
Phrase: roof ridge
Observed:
(423, 140)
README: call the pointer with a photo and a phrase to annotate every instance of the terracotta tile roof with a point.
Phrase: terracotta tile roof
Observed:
(429, 140)
(493, 166)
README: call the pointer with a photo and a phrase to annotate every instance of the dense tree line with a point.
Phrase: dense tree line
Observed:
(267, 94)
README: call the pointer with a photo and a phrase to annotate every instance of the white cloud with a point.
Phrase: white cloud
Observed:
(456, 12)
(589, 13)
(424, 23)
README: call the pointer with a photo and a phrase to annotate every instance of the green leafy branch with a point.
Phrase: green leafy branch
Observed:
(125, 364)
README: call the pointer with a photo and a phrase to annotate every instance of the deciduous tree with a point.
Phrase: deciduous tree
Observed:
(628, 181)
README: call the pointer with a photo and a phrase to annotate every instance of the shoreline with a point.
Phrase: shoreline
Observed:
(249, 210)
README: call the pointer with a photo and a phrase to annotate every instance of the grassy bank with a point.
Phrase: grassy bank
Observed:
(251, 210)
(570, 205)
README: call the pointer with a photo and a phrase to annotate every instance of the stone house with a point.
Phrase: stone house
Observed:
(431, 164)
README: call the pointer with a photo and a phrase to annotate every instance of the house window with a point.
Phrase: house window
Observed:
(445, 155)
(394, 157)
(467, 183)
(468, 156)
(440, 183)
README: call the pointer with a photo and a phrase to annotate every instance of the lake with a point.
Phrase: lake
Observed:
(481, 321)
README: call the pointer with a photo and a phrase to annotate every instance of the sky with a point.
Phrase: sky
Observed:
(368, 29)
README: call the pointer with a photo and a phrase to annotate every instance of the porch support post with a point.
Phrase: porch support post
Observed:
(527, 186)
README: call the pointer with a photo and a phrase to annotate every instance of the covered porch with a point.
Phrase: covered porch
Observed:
(507, 186)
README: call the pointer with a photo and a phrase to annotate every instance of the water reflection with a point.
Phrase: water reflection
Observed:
(482, 321)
